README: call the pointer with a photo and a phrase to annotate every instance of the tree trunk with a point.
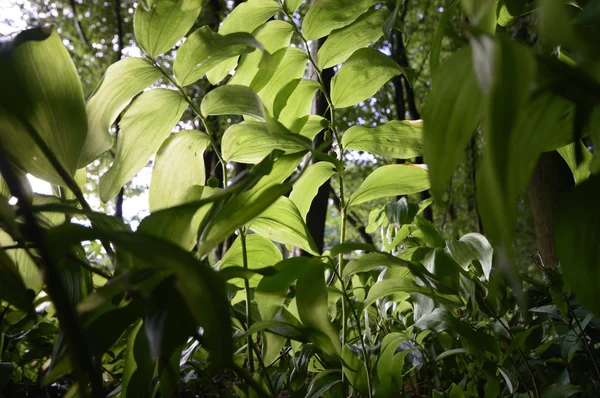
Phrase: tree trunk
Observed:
(317, 215)
(551, 177)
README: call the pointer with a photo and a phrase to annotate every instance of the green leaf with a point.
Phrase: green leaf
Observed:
(260, 252)
(482, 13)
(12, 287)
(513, 69)
(283, 223)
(41, 91)
(449, 353)
(159, 26)
(385, 368)
(270, 296)
(391, 180)
(340, 44)
(201, 287)
(581, 171)
(396, 139)
(294, 101)
(138, 368)
(246, 17)
(145, 125)
(370, 261)
(205, 49)
(448, 125)
(324, 16)
(292, 5)
(311, 298)
(323, 382)
(407, 285)
(559, 390)
(471, 247)
(180, 224)
(576, 234)
(232, 100)
(250, 142)
(361, 76)
(179, 164)
(27, 267)
(307, 186)
(273, 35)
(292, 66)
(233, 215)
(121, 82)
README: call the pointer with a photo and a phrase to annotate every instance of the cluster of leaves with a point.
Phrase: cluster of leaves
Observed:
(420, 315)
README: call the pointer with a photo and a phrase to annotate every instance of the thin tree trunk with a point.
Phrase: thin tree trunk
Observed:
(317, 215)
(551, 177)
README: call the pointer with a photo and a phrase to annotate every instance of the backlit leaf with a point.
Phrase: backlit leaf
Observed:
(273, 35)
(205, 49)
(325, 16)
(250, 142)
(145, 125)
(361, 76)
(471, 247)
(232, 100)
(283, 223)
(179, 165)
(340, 44)
(121, 82)
(40, 90)
(160, 25)
(260, 252)
(395, 139)
(391, 180)
(307, 186)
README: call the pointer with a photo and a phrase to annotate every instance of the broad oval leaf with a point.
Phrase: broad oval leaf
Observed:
(232, 100)
(273, 35)
(233, 215)
(407, 285)
(41, 91)
(12, 287)
(370, 261)
(246, 17)
(448, 125)
(205, 49)
(311, 299)
(282, 223)
(160, 25)
(121, 82)
(324, 16)
(179, 165)
(340, 44)
(145, 125)
(471, 247)
(399, 139)
(250, 142)
(307, 186)
(292, 66)
(391, 180)
(294, 101)
(361, 76)
(260, 252)
(292, 5)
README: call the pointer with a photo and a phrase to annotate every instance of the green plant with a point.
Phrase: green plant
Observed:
(157, 312)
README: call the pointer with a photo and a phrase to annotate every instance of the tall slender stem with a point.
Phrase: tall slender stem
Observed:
(211, 136)
(340, 175)
(248, 307)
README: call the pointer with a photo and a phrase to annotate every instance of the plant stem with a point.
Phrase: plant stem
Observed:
(248, 307)
(250, 381)
(211, 137)
(338, 140)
